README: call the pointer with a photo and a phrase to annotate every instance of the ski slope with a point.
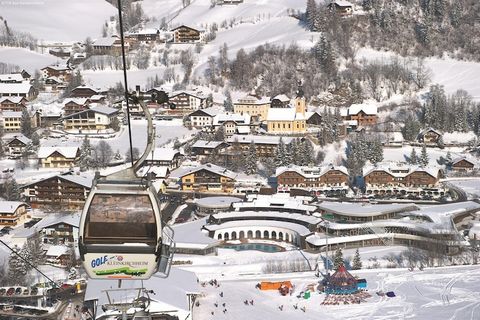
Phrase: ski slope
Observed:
(26, 59)
(58, 20)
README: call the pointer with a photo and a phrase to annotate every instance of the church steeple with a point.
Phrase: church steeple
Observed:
(300, 104)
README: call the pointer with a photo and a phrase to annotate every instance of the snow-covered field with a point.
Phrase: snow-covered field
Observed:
(58, 20)
(108, 78)
(470, 185)
(441, 293)
(26, 59)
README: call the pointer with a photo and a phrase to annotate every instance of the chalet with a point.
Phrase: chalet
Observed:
(58, 255)
(165, 157)
(317, 180)
(50, 120)
(202, 118)
(402, 179)
(25, 90)
(186, 101)
(462, 164)
(280, 101)
(109, 46)
(97, 98)
(144, 35)
(365, 115)
(17, 104)
(313, 118)
(208, 178)
(342, 7)
(429, 136)
(74, 105)
(17, 146)
(78, 57)
(184, 34)
(90, 120)
(60, 52)
(12, 120)
(61, 191)
(63, 73)
(54, 84)
(11, 78)
(265, 146)
(255, 107)
(232, 122)
(12, 212)
(58, 157)
(204, 148)
(86, 92)
(59, 229)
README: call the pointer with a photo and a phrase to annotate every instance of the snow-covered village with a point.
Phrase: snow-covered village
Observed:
(239, 159)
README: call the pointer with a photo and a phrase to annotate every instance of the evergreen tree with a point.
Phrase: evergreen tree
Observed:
(424, 157)
(320, 157)
(219, 134)
(17, 270)
(227, 103)
(35, 140)
(280, 154)
(85, 158)
(11, 191)
(102, 154)
(411, 129)
(251, 160)
(2, 151)
(413, 159)
(338, 259)
(311, 15)
(27, 254)
(448, 160)
(325, 56)
(35, 249)
(357, 262)
(26, 124)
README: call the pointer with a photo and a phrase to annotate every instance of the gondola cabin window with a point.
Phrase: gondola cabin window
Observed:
(121, 218)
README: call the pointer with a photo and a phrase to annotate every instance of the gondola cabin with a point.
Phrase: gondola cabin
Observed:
(121, 232)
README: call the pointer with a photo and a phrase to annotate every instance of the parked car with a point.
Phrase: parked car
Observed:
(2, 291)
(18, 291)
(34, 291)
(10, 291)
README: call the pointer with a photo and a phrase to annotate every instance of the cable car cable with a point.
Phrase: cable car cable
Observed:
(122, 40)
(28, 262)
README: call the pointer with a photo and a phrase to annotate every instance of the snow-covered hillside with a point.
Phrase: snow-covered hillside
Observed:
(58, 20)
(26, 59)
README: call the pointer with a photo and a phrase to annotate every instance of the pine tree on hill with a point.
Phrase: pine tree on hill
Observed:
(424, 157)
(413, 159)
(85, 158)
(17, 269)
(449, 160)
(11, 191)
(26, 124)
(280, 154)
(357, 262)
(338, 259)
(251, 160)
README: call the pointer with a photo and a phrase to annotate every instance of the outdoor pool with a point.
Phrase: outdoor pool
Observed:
(264, 247)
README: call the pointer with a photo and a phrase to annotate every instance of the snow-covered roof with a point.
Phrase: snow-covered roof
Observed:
(77, 179)
(205, 144)
(196, 94)
(17, 77)
(256, 215)
(145, 31)
(457, 137)
(58, 68)
(281, 114)
(105, 42)
(10, 206)
(11, 114)
(70, 219)
(216, 202)
(282, 97)
(252, 100)
(79, 101)
(172, 290)
(214, 169)
(56, 251)
(163, 154)
(235, 117)
(366, 108)
(67, 152)
(342, 3)
(22, 88)
(311, 172)
(298, 228)
(191, 234)
(243, 129)
(262, 139)
(276, 201)
(210, 111)
(14, 99)
(159, 171)
(401, 170)
(364, 210)
(445, 212)
(458, 159)
(104, 110)
(20, 138)
(424, 131)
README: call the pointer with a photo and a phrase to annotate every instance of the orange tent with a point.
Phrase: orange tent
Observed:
(264, 285)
